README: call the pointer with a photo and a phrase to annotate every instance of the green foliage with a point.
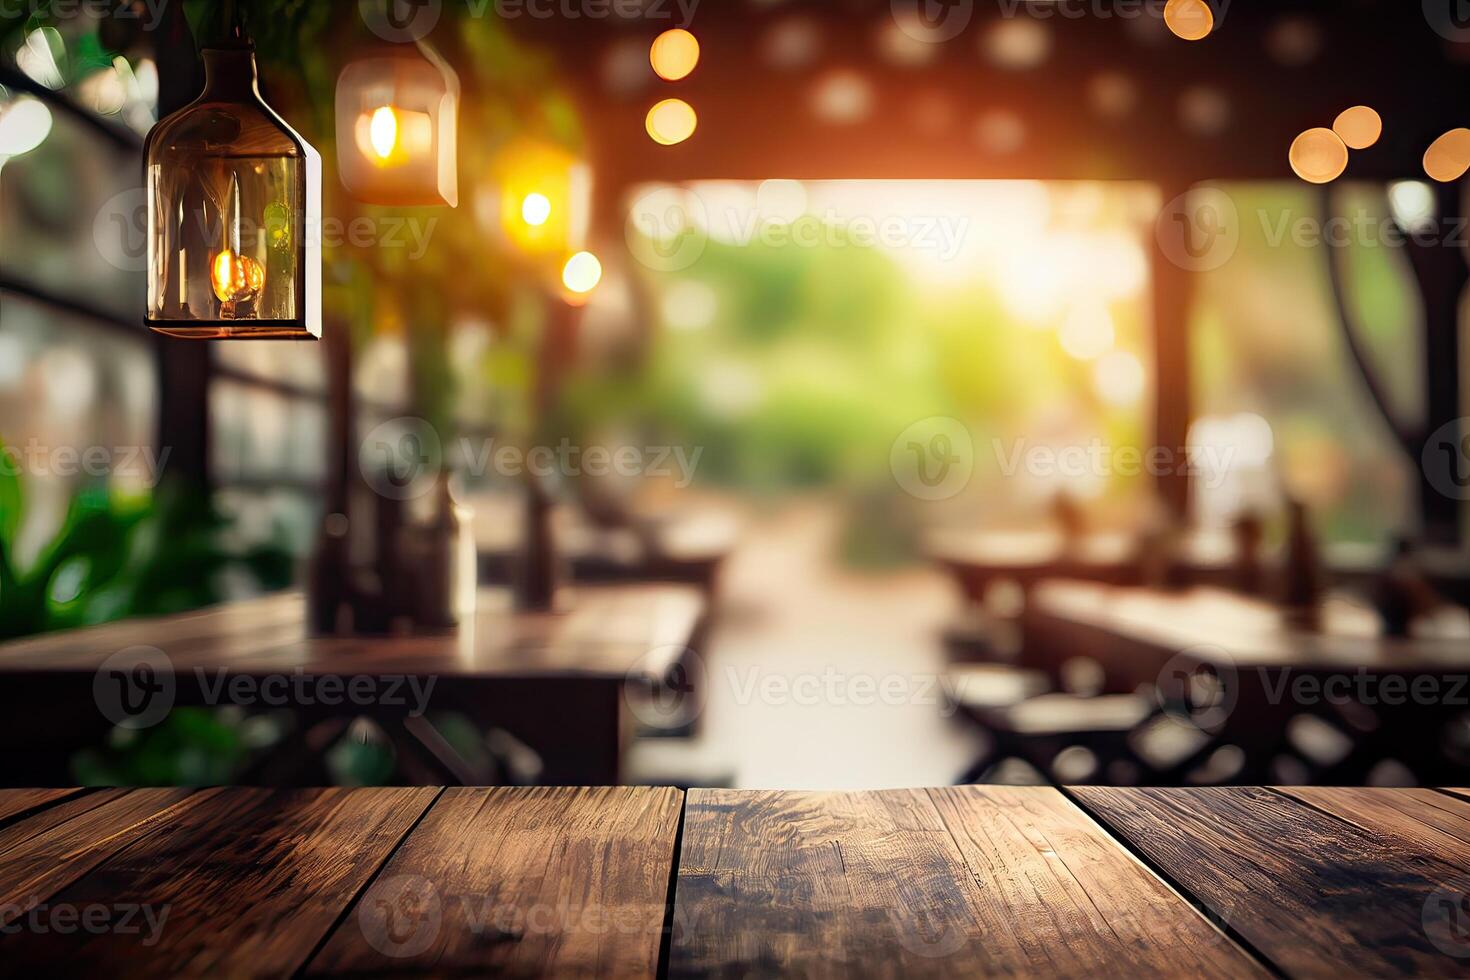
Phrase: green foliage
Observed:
(116, 557)
(191, 747)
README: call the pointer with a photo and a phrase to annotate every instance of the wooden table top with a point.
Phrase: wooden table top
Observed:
(963, 881)
(1253, 632)
(599, 631)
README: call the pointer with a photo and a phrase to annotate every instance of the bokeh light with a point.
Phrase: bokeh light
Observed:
(1358, 127)
(671, 121)
(24, 125)
(535, 209)
(1192, 20)
(674, 54)
(1119, 378)
(582, 273)
(1318, 156)
(1448, 157)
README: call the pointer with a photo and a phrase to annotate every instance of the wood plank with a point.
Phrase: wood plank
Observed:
(21, 802)
(1315, 893)
(237, 882)
(519, 882)
(955, 882)
(50, 850)
(1435, 820)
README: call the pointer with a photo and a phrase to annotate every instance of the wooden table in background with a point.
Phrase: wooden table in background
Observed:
(556, 680)
(962, 882)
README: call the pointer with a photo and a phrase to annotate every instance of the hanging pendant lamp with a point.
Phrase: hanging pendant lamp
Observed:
(234, 211)
(397, 116)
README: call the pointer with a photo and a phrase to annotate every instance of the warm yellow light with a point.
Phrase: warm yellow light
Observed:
(1318, 156)
(582, 273)
(674, 54)
(1448, 157)
(383, 132)
(390, 137)
(1358, 127)
(671, 121)
(1193, 20)
(236, 278)
(535, 209)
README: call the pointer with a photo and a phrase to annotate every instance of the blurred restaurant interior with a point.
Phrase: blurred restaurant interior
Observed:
(747, 393)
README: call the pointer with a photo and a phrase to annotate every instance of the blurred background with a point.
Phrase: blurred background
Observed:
(880, 242)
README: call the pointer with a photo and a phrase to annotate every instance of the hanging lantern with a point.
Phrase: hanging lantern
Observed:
(397, 113)
(234, 207)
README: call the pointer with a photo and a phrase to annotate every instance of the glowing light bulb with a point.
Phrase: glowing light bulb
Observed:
(671, 121)
(535, 209)
(383, 131)
(236, 278)
(674, 54)
(582, 273)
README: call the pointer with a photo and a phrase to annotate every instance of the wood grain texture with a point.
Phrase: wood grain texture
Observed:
(238, 882)
(43, 853)
(956, 882)
(19, 802)
(519, 882)
(1437, 821)
(1344, 890)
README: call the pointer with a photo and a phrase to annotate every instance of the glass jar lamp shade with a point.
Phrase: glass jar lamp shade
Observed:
(397, 114)
(234, 214)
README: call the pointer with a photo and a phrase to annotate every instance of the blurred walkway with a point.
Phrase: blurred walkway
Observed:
(818, 677)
